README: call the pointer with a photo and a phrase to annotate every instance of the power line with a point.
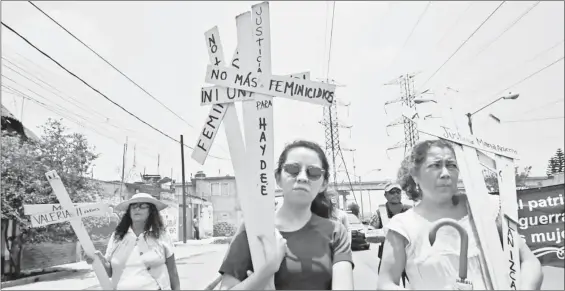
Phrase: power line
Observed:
(410, 35)
(74, 102)
(488, 44)
(59, 112)
(537, 119)
(506, 29)
(454, 25)
(107, 62)
(528, 77)
(331, 38)
(63, 112)
(326, 32)
(96, 90)
(516, 67)
(555, 101)
(468, 38)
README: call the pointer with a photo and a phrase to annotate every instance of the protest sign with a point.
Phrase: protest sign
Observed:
(541, 214)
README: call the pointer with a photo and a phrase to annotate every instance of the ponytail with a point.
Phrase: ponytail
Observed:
(322, 205)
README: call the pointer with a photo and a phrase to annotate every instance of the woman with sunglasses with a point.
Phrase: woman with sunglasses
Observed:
(311, 252)
(140, 253)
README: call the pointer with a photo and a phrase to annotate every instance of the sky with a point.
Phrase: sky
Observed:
(161, 46)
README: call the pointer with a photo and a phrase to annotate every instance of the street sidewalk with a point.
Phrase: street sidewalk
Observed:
(83, 278)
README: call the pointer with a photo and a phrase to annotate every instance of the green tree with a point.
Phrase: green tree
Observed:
(556, 164)
(24, 164)
(560, 161)
(550, 167)
(491, 179)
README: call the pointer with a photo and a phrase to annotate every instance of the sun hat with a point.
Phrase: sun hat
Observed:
(391, 186)
(141, 198)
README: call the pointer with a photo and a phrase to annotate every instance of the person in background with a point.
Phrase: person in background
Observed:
(196, 226)
(430, 172)
(392, 207)
(140, 253)
(335, 213)
(310, 251)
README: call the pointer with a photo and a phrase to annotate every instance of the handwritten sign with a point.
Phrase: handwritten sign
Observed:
(220, 95)
(296, 89)
(249, 80)
(208, 133)
(468, 140)
(78, 227)
(62, 215)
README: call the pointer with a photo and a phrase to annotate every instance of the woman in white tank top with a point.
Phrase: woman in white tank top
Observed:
(430, 173)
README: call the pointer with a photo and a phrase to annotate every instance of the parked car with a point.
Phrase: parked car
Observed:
(357, 229)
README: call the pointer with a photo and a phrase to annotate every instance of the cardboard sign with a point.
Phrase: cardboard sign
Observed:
(62, 215)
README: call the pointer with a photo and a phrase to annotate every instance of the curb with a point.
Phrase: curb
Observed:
(33, 279)
(61, 272)
(96, 286)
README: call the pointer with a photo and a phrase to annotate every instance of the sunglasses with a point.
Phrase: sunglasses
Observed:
(139, 205)
(314, 173)
(395, 191)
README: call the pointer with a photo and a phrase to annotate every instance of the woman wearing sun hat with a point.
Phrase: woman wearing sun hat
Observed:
(140, 253)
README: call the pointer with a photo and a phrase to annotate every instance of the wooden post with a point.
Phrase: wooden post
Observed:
(183, 190)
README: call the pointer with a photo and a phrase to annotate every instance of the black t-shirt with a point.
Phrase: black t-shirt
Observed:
(312, 252)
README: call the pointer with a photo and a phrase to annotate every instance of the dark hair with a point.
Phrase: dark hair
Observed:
(321, 205)
(332, 207)
(412, 163)
(153, 225)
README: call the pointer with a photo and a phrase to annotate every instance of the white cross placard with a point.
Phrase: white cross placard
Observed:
(501, 263)
(249, 80)
(46, 214)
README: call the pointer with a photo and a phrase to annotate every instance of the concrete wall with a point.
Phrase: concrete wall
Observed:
(45, 255)
(222, 193)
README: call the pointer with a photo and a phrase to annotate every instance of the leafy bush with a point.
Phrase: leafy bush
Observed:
(224, 229)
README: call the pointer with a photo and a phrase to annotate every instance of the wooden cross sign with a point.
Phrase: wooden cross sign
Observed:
(249, 80)
(45, 214)
(501, 263)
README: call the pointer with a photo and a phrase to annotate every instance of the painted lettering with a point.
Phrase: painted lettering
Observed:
(217, 74)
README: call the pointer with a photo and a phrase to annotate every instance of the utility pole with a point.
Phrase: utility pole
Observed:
(184, 226)
(355, 180)
(123, 166)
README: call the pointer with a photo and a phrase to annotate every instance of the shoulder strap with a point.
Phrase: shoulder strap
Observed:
(126, 246)
(383, 213)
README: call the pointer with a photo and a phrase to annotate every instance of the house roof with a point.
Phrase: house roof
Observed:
(8, 116)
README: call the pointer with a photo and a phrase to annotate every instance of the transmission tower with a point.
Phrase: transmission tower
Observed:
(407, 93)
(331, 125)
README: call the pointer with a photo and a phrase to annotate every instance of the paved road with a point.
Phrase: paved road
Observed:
(198, 266)
(365, 271)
